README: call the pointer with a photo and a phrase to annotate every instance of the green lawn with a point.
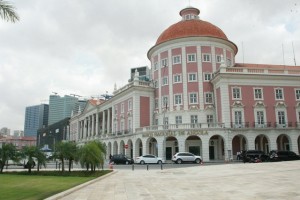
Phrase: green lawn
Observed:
(23, 187)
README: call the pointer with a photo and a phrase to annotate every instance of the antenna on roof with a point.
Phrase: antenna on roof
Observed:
(283, 55)
(294, 54)
(243, 53)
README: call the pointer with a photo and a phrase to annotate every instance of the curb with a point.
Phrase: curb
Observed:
(78, 187)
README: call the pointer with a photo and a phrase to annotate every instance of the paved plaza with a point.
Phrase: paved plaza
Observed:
(279, 180)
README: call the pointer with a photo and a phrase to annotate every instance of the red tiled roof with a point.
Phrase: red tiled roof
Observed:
(190, 28)
(95, 101)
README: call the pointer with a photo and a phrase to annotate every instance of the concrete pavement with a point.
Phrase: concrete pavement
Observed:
(279, 180)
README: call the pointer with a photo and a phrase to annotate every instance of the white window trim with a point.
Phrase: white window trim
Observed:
(191, 61)
(212, 97)
(262, 94)
(233, 116)
(240, 93)
(296, 94)
(204, 55)
(285, 116)
(217, 58)
(155, 66)
(204, 76)
(282, 93)
(192, 80)
(190, 97)
(175, 76)
(162, 81)
(180, 99)
(255, 116)
(129, 105)
(173, 59)
(122, 108)
(162, 62)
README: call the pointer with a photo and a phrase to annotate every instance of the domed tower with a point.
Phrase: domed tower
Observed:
(183, 61)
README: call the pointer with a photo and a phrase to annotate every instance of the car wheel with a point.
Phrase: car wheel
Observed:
(142, 162)
(197, 161)
(127, 163)
(179, 161)
(159, 162)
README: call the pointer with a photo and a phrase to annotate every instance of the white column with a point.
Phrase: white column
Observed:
(97, 123)
(93, 125)
(205, 148)
(108, 121)
(85, 129)
(103, 122)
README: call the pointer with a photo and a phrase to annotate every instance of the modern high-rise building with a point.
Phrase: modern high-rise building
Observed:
(62, 107)
(36, 117)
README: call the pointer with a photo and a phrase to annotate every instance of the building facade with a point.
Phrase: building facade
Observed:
(62, 107)
(36, 117)
(198, 99)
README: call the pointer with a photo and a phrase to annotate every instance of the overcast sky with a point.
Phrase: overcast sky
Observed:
(85, 47)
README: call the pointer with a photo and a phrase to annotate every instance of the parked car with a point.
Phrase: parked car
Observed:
(181, 157)
(121, 159)
(283, 155)
(254, 156)
(149, 159)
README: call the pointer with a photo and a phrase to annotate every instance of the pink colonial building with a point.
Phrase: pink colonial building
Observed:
(197, 99)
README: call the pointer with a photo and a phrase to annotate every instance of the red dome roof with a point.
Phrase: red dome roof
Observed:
(190, 28)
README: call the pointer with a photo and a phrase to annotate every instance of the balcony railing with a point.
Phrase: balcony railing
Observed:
(265, 125)
(180, 127)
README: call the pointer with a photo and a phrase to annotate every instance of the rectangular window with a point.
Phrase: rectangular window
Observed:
(236, 93)
(164, 62)
(155, 84)
(297, 92)
(192, 77)
(129, 105)
(208, 98)
(191, 57)
(155, 66)
(178, 99)
(156, 103)
(228, 62)
(260, 117)
(116, 110)
(129, 125)
(218, 58)
(238, 118)
(258, 93)
(281, 117)
(176, 60)
(178, 119)
(122, 126)
(165, 102)
(194, 119)
(209, 119)
(279, 94)
(165, 80)
(207, 76)
(206, 58)
(177, 78)
(122, 108)
(193, 98)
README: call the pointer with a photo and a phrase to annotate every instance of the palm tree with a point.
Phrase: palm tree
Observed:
(91, 155)
(7, 152)
(29, 152)
(41, 158)
(71, 152)
(7, 11)
(62, 152)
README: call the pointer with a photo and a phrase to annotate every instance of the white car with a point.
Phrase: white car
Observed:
(181, 157)
(148, 159)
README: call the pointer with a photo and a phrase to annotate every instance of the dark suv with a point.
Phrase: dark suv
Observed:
(283, 155)
(121, 159)
(254, 156)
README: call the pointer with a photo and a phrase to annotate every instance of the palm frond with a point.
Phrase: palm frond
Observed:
(7, 12)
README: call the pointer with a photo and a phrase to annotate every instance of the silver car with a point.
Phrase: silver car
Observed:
(181, 157)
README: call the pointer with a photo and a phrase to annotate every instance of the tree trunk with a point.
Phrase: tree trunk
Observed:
(70, 164)
(62, 165)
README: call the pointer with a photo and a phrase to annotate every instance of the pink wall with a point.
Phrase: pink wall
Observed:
(205, 49)
(144, 111)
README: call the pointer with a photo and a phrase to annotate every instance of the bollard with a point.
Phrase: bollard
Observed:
(132, 167)
(147, 167)
(161, 166)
